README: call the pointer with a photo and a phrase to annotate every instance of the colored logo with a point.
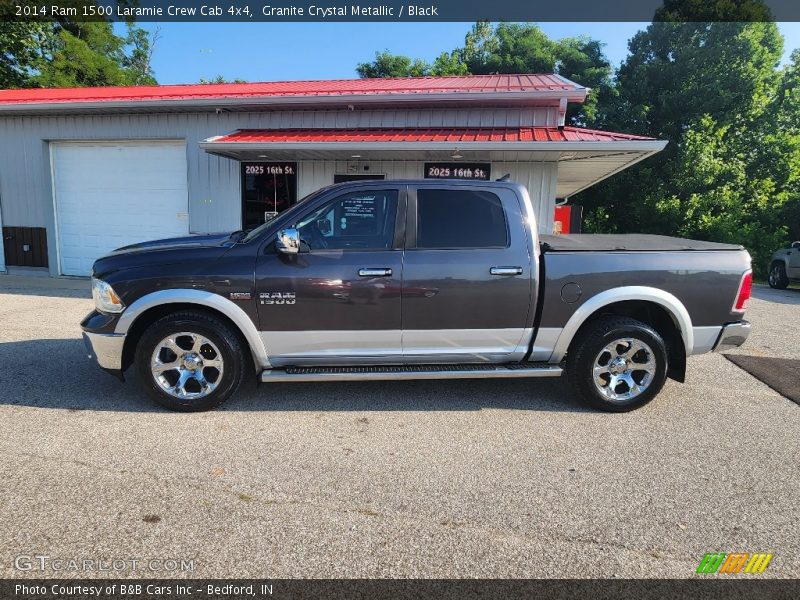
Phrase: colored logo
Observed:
(736, 562)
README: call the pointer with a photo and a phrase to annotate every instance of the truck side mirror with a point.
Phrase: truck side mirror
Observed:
(288, 241)
(796, 245)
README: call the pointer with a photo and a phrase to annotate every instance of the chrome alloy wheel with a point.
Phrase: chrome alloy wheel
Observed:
(187, 365)
(624, 369)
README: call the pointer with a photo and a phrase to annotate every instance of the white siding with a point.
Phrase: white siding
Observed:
(2, 251)
(538, 177)
(214, 182)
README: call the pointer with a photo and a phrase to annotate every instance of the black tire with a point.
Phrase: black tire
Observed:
(778, 279)
(585, 354)
(223, 341)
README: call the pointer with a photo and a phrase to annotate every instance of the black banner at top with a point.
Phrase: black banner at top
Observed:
(371, 10)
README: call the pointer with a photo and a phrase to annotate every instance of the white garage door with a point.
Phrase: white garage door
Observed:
(110, 194)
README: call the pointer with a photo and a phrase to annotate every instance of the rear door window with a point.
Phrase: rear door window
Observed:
(460, 219)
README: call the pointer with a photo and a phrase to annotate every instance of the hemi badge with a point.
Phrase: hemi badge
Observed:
(240, 295)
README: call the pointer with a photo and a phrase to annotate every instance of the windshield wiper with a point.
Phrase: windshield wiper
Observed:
(237, 236)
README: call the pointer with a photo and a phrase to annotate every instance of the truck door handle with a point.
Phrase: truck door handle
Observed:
(374, 272)
(506, 271)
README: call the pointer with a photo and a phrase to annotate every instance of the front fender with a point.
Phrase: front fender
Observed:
(200, 298)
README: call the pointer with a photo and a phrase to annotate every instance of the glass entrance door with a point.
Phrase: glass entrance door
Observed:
(268, 188)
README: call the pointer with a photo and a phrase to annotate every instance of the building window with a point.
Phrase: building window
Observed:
(268, 188)
(342, 177)
(460, 219)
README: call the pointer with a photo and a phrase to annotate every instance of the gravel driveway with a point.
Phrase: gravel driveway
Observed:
(412, 479)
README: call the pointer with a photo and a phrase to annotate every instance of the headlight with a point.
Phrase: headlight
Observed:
(105, 299)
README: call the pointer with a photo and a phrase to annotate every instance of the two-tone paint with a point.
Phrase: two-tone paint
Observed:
(408, 305)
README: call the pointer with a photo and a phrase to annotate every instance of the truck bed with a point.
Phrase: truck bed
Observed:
(636, 242)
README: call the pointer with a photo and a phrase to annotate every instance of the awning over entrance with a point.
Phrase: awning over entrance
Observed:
(585, 156)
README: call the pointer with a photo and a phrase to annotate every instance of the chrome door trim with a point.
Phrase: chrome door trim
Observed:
(384, 272)
(507, 271)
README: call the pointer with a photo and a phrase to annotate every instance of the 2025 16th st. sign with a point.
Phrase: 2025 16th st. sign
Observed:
(480, 171)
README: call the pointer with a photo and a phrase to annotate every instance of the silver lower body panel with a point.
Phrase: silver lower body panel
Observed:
(365, 347)
(105, 349)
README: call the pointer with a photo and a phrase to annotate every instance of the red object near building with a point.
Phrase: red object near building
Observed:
(568, 218)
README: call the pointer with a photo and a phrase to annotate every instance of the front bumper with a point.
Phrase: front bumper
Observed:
(732, 335)
(105, 350)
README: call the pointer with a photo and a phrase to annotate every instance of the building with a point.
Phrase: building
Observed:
(83, 171)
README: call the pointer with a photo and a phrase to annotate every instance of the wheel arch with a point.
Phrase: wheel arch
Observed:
(634, 301)
(149, 308)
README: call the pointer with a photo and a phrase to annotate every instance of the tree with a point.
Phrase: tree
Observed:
(20, 44)
(782, 156)
(511, 48)
(449, 63)
(708, 88)
(220, 79)
(65, 53)
(387, 64)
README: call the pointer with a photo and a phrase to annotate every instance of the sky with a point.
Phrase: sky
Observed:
(187, 52)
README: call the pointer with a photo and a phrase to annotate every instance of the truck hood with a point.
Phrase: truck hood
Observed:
(195, 249)
(213, 240)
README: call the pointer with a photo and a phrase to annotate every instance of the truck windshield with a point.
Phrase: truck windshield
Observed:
(284, 217)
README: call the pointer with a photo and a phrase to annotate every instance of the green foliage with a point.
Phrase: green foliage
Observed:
(19, 51)
(387, 64)
(63, 53)
(511, 48)
(449, 63)
(713, 90)
(220, 79)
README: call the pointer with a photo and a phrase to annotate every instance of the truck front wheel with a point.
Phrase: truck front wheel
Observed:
(777, 276)
(190, 361)
(617, 364)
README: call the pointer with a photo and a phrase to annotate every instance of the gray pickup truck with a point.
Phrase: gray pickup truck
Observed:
(427, 279)
(784, 267)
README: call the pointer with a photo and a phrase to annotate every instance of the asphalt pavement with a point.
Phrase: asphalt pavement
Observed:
(409, 479)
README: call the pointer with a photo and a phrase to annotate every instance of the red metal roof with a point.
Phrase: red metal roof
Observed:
(448, 134)
(472, 84)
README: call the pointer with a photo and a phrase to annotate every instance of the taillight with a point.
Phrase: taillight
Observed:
(745, 289)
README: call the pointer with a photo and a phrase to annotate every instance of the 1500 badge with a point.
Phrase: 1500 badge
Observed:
(277, 297)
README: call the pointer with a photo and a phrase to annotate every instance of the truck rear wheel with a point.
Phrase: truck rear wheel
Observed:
(617, 364)
(777, 276)
(190, 361)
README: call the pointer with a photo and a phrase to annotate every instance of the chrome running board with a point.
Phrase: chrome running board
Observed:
(399, 372)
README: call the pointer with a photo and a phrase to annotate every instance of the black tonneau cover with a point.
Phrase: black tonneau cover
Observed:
(634, 242)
